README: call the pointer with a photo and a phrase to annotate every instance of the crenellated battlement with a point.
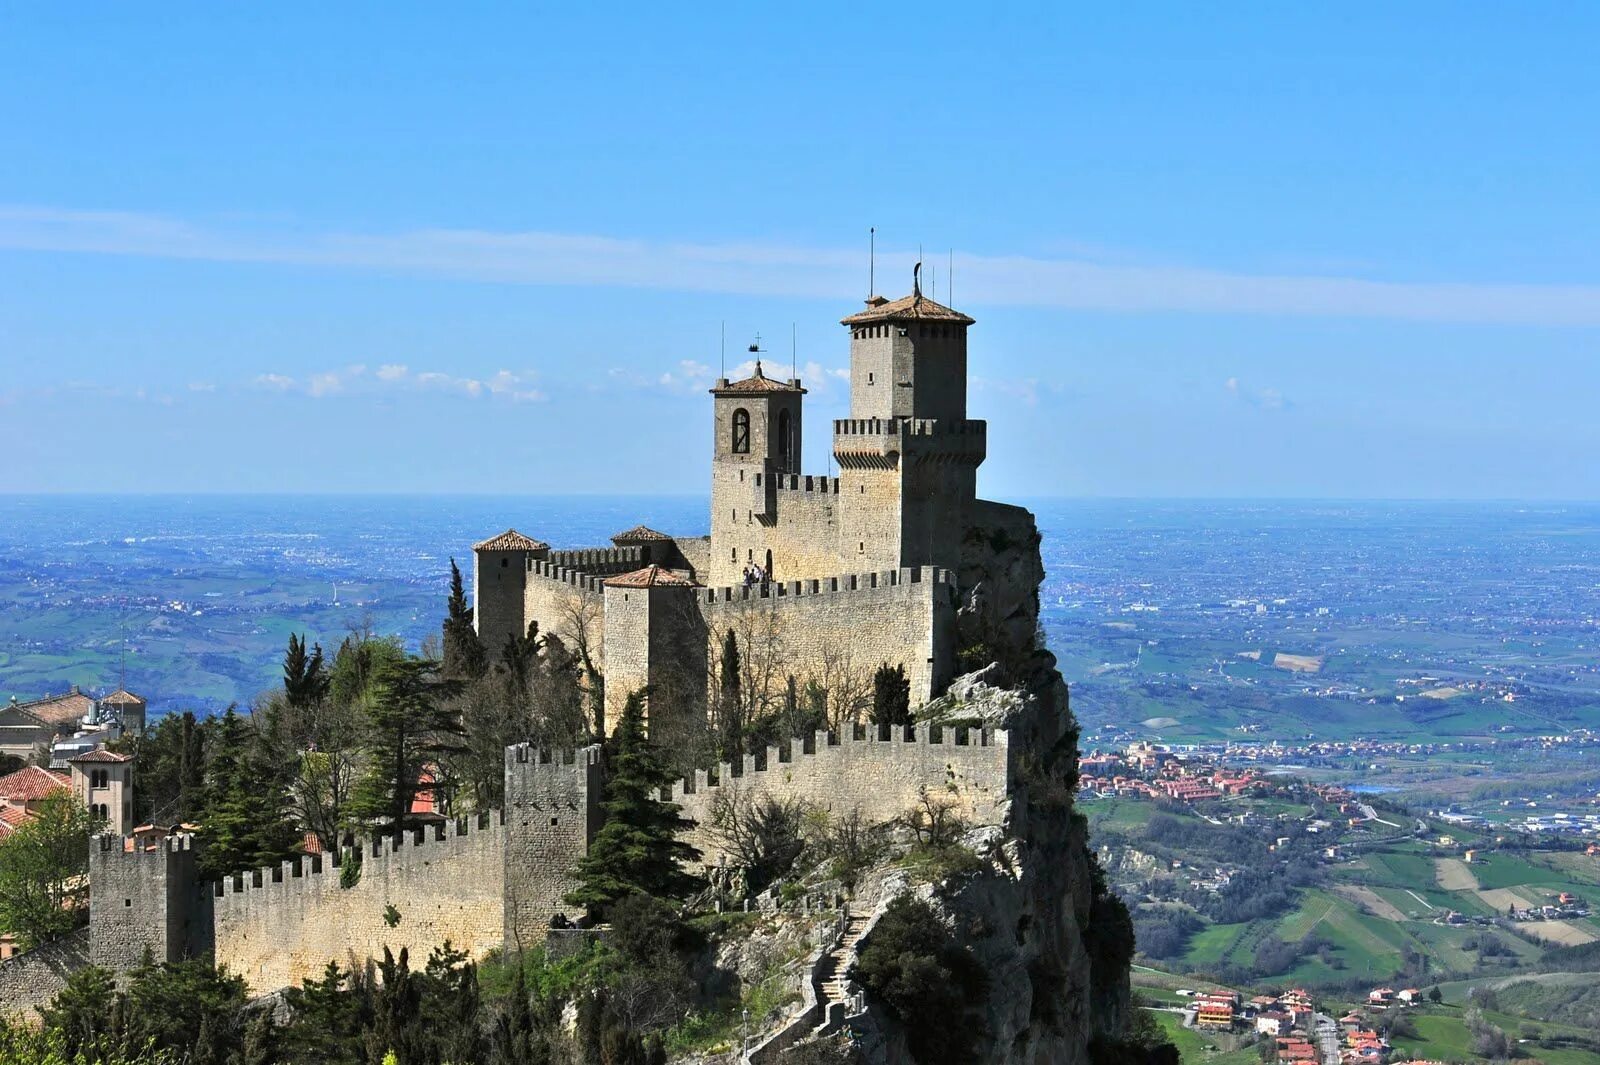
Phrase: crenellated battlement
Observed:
(814, 483)
(842, 585)
(377, 851)
(582, 580)
(605, 561)
(795, 754)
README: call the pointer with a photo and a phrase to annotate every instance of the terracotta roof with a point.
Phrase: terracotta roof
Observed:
(100, 754)
(57, 710)
(651, 577)
(122, 697)
(756, 382)
(31, 783)
(913, 306)
(510, 540)
(11, 819)
(639, 532)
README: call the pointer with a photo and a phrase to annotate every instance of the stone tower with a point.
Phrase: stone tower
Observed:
(908, 454)
(499, 584)
(147, 896)
(757, 440)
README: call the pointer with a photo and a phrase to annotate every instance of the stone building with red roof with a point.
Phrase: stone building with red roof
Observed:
(890, 557)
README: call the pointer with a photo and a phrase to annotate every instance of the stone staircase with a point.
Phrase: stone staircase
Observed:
(833, 974)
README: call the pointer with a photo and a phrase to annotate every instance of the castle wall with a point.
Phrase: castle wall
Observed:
(31, 980)
(902, 617)
(801, 533)
(696, 554)
(563, 601)
(277, 926)
(881, 774)
(552, 812)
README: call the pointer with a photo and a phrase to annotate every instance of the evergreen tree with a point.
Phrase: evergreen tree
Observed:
(465, 657)
(411, 724)
(246, 802)
(891, 696)
(637, 849)
(305, 676)
(730, 700)
(169, 763)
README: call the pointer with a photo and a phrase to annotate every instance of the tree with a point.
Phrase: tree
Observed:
(245, 815)
(465, 657)
(911, 962)
(42, 865)
(305, 681)
(169, 764)
(411, 723)
(762, 834)
(637, 849)
(730, 703)
(1435, 996)
(891, 696)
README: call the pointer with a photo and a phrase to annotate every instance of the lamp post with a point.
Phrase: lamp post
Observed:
(744, 1032)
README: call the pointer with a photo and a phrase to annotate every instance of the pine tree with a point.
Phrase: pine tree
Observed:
(410, 724)
(730, 700)
(637, 849)
(465, 657)
(305, 680)
(246, 806)
(891, 696)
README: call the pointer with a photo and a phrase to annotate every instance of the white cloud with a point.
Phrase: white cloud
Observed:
(355, 380)
(1262, 398)
(275, 381)
(1078, 280)
(392, 372)
(202, 386)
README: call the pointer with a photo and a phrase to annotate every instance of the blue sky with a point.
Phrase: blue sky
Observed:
(1235, 250)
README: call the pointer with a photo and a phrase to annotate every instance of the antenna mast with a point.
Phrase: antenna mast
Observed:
(794, 350)
(950, 281)
(724, 348)
(872, 261)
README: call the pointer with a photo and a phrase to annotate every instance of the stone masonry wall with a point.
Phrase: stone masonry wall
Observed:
(900, 617)
(31, 980)
(277, 926)
(552, 812)
(562, 601)
(881, 774)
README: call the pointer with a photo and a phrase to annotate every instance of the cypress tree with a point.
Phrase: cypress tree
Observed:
(637, 849)
(730, 698)
(465, 657)
(891, 696)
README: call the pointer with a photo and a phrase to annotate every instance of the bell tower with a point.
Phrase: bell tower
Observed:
(757, 439)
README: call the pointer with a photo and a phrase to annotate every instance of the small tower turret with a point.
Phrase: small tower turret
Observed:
(758, 422)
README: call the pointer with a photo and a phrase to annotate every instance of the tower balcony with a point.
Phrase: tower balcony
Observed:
(884, 442)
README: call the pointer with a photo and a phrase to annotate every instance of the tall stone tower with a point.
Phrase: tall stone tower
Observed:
(757, 439)
(499, 585)
(908, 454)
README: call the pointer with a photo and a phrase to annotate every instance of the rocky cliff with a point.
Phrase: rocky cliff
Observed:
(1037, 915)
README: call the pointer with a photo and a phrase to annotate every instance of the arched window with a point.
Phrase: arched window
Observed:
(741, 432)
(784, 441)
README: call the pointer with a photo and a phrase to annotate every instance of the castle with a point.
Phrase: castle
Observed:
(856, 570)
(895, 561)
